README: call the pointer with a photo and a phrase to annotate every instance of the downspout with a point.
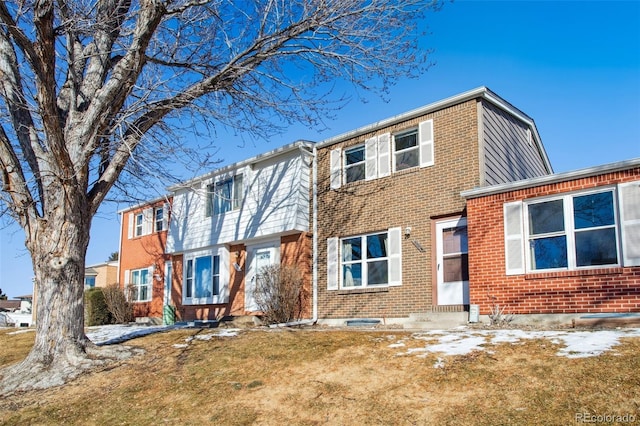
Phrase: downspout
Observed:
(314, 248)
(120, 248)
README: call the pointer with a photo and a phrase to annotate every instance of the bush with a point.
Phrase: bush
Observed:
(96, 310)
(118, 304)
(279, 293)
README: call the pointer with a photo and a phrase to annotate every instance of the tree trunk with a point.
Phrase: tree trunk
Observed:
(61, 350)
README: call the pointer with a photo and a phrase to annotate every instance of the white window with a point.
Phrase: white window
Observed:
(205, 278)
(372, 160)
(573, 231)
(354, 164)
(370, 260)
(224, 196)
(159, 220)
(139, 224)
(406, 152)
(140, 282)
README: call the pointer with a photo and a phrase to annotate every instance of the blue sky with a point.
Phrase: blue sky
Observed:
(573, 66)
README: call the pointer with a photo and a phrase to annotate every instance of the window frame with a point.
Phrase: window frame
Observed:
(135, 294)
(236, 195)
(364, 261)
(138, 224)
(190, 285)
(362, 163)
(569, 231)
(415, 131)
(158, 223)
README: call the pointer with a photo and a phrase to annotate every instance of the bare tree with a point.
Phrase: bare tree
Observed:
(92, 91)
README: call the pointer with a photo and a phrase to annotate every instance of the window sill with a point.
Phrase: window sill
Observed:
(365, 290)
(612, 270)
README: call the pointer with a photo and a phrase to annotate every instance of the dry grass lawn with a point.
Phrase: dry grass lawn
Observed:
(337, 377)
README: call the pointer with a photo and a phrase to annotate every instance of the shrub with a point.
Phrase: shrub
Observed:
(279, 293)
(96, 311)
(118, 304)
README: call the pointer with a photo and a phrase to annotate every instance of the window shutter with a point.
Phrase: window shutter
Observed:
(513, 238)
(395, 256)
(384, 155)
(425, 135)
(147, 221)
(165, 216)
(371, 158)
(629, 195)
(130, 226)
(127, 282)
(336, 168)
(332, 263)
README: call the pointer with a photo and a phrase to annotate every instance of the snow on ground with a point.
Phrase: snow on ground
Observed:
(576, 344)
(118, 333)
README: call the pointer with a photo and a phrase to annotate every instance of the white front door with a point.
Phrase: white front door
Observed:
(452, 262)
(259, 257)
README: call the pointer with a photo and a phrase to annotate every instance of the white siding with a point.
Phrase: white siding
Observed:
(276, 201)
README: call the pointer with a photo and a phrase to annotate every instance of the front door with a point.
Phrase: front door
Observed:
(259, 257)
(452, 262)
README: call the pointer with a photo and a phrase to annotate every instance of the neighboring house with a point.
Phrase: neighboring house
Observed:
(101, 275)
(560, 244)
(391, 224)
(228, 224)
(144, 272)
(19, 312)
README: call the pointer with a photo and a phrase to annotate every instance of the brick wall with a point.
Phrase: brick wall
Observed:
(414, 197)
(143, 252)
(294, 250)
(596, 290)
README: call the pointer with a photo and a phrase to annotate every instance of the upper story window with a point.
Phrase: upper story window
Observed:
(406, 152)
(139, 224)
(149, 220)
(412, 148)
(159, 219)
(224, 196)
(354, 165)
(571, 231)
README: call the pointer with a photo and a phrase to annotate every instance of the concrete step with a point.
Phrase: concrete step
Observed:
(436, 320)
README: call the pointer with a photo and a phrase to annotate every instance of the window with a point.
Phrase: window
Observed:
(205, 277)
(372, 160)
(139, 221)
(140, 282)
(406, 152)
(159, 219)
(224, 196)
(364, 261)
(354, 164)
(573, 231)
(89, 281)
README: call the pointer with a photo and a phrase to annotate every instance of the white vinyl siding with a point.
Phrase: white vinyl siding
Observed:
(629, 195)
(276, 201)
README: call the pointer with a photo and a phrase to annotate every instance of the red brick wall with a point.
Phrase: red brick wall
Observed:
(414, 197)
(143, 252)
(595, 290)
(294, 249)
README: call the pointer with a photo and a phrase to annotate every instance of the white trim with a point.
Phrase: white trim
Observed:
(514, 238)
(336, 168)
(384, 155)
(426, 143)
(333, 263)
(371, 158)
